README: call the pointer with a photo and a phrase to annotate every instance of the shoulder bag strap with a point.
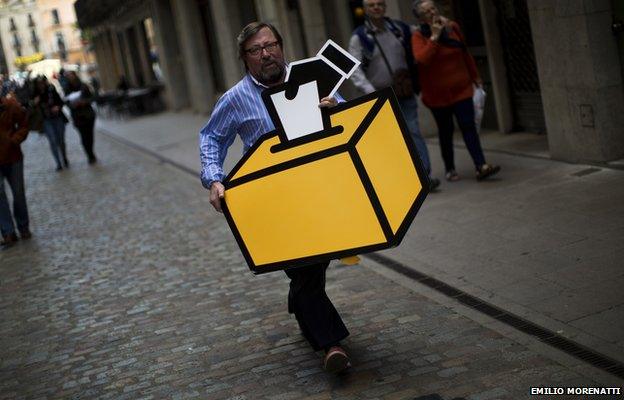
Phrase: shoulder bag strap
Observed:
(383, 55)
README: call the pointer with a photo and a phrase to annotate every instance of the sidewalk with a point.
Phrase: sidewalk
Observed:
(131, 288)
(542, 240)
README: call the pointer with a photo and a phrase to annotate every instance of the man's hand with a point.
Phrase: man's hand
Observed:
(328, 102)
(217, 191)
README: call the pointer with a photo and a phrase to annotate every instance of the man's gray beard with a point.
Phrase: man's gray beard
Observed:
(270, 78)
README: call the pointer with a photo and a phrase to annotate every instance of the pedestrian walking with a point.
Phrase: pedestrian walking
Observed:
(79, 98)
(13, 131)
(383, 46)
(241, 111)
(47, 105)
(448, 74)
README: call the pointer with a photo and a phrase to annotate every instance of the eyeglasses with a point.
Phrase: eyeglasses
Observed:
(255, 51)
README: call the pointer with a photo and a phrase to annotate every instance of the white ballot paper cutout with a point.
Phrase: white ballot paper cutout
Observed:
(306, 119)
(310, 80)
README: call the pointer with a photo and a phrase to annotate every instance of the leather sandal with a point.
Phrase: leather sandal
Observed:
(486, 171)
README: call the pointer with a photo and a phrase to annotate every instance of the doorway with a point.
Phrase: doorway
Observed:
(519, 55)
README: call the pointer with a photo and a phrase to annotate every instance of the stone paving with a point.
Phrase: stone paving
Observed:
(132, 288)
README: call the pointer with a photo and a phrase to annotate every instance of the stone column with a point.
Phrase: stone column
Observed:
(120, 65)
(313, 25)
(143, 53)
(128, 54)
(496, 63)
(165, 37)
(337, 18)
(103, 59)
(276, 13)
(228, 26)
(580, 78)
(196, 60)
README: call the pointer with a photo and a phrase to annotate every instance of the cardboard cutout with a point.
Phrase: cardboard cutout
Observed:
(327, 183)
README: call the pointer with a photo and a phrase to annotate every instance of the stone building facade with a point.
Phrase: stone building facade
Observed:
(549, 66)
(33, 30)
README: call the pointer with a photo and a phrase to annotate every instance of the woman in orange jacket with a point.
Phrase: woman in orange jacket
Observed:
(447, 73)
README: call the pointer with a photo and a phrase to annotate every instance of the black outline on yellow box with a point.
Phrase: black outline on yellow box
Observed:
(392, 240)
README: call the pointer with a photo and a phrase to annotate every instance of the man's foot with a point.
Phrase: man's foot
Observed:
(433, 183)
(59, 168)
(336, 360)
(92, 160)
(9, 240)
(66, 163)
(25, 235)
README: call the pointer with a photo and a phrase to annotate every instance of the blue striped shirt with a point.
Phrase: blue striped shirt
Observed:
(239, 111)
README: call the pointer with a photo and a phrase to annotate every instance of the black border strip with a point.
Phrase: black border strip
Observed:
(553, 339)
(372, 195)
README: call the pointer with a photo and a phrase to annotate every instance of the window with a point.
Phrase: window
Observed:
(34, 40)
(55, 17)
(31, 22)
(60, 45)
(12, 24)
(17, 45)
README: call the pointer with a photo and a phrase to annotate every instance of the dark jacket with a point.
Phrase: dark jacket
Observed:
(82, 113)
(13, 131)
(49, 98)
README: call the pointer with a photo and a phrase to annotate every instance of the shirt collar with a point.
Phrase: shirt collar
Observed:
(254, 80)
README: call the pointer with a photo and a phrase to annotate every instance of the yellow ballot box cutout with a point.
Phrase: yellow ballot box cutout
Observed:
(351, 188)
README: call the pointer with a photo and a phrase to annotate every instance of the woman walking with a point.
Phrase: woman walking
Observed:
(47, 101)
(79, 97)
(447, 74)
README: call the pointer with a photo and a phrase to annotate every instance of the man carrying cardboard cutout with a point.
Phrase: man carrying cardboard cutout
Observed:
(241, 111)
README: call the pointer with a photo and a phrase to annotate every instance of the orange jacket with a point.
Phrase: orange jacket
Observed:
(13, 130)
(446, 74)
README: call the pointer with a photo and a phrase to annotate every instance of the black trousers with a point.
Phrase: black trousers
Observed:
(85, 128)
(318, 319)
(464, 113)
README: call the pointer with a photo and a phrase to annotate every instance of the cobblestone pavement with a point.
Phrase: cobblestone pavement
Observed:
(131, 288)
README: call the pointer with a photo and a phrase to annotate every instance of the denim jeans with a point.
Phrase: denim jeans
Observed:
(409, 107)
(464, 113)
(14, 174)
(54, 129)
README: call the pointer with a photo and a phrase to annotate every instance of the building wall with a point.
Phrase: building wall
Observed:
(76, 50)
(583, 97)
(582, 88)
(18, 11)
(45, 29)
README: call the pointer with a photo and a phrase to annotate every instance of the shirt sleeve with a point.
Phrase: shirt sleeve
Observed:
(214, 140)
(423, 48)
(359, 78)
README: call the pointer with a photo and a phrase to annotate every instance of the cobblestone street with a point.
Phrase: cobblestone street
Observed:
(133, 288)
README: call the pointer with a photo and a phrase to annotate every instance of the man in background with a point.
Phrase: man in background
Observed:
(13, 131)
(383, 45)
